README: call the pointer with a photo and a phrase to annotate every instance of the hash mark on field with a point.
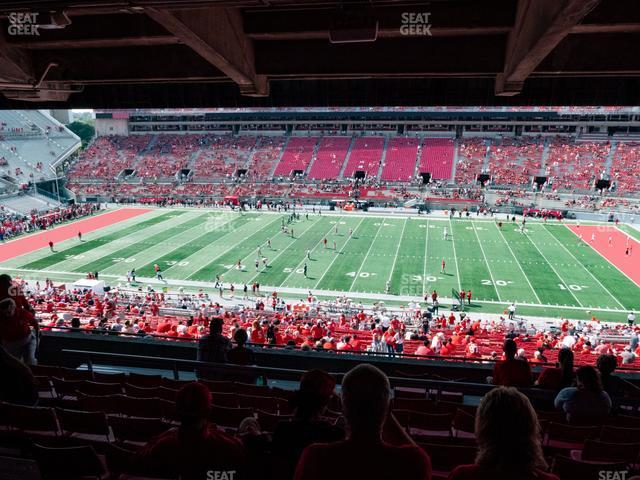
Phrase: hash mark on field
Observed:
(495, 287)
(365, 258)
(520, 266)
(395, 260)
(555, 271)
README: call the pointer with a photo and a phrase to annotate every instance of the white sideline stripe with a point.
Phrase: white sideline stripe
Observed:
(585, 268)
(605, 258)
(555, 271)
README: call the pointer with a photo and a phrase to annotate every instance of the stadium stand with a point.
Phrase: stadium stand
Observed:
(365, 156)
(575, 166)
(515, 161)
(32, 144)
(472, 153)
(221, 156)
(296, 156)
(437, 157)
(400, 159)
(332, 152)
(625, 170)
(266, 156)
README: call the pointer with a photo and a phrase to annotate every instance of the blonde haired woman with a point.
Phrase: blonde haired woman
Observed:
(509, 442)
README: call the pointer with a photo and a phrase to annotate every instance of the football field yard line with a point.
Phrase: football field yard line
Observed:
(545, 228)
(285, 249)
(361, 295)
(336, 256)
(101, 255)
(518, 263)
(555, 271)
(103, 239)
(395, 258)
(143, 255)
(231, 248)
(424, 263)
(486, 262)
(179, 254)
(455, 256)
(128, 252)
(304, 258)
(603, 257)
(364, 260)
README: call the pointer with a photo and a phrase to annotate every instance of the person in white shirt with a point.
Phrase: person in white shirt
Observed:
(377, 345)
(631, 318)
(569, 341)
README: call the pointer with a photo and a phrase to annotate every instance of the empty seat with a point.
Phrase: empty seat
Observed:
(97, 388)
(430, 423)
(77, 421)
(267, 404)
(35, 419)
(569, 469)
(610, 433)
(69, 462)
(140, 392)
(598, 451)
(569, 437)
(142, 380)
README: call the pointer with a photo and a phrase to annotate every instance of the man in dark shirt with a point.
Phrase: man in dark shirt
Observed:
(307, 426)
(215, 346)
(512, 372)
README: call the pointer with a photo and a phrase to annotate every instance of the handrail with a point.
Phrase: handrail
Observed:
(387, 355)
(283, 373)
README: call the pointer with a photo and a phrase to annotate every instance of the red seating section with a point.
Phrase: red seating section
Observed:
(575, 165)
(400, 159)
(471, 157)
(296, 156)
(330, 158)
(513, 161)
(625, 169)
(437, 157)
(365, 155)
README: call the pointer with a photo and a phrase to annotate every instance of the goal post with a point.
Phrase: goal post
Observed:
(456, 296)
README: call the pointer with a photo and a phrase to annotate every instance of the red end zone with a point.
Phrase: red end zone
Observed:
(614, 253)
(23, 245)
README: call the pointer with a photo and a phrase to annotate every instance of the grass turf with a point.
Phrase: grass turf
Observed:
(547, 267)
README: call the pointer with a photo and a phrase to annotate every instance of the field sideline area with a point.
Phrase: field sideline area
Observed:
(547, 270)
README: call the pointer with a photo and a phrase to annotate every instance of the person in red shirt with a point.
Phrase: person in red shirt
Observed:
(424, 349)
(469, 297)
(512, 372)
(374, 433)
(195, 447)
(18, 325)
(509, 440)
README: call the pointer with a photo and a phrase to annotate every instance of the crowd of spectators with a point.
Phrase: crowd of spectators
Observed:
(368, 424)
(13, 224)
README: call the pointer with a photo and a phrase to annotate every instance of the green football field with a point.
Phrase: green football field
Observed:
(544, 270)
